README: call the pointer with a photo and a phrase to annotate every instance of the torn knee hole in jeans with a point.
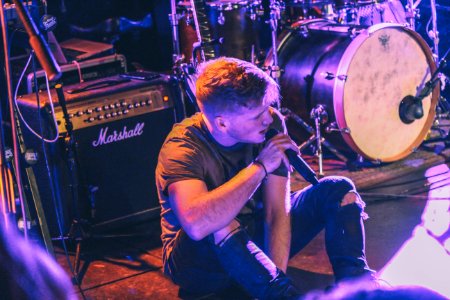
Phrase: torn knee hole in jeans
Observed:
(352, 197)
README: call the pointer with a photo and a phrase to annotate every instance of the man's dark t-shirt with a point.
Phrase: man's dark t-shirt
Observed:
(190, 152)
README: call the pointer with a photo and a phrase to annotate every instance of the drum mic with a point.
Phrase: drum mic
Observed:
(296, 161)
(411, 107)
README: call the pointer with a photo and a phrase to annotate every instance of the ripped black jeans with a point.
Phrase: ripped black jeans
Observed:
(202, 266)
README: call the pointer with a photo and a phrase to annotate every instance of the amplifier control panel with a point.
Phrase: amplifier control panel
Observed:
(128, 99)
(120, 105)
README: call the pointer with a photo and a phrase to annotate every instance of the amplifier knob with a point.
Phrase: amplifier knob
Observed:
(123, 103)
(108, 115)
(89, 111)
(125, 111)
(97, 109)
(100, 117)
(137, 104)
(130, 106)
(117, 105)
(91, 119)
(112, 105)
(80, 113)
(149, 102)
(113, 114)
(119, 113)
(143, 102)
(105, 107)
(70, 115)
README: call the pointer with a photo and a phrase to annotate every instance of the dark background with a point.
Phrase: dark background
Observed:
(151, 47)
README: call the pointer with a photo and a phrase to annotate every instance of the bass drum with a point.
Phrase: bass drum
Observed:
(360, 76)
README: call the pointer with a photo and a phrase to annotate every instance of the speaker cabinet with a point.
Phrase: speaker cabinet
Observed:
(118, 131)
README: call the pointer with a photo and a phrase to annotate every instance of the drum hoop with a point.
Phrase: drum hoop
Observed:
(287, 36)
(240, 3)
(215, 4)
(340, 84)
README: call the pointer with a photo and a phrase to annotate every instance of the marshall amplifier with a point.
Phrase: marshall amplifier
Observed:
(119, 125)
(73, 72)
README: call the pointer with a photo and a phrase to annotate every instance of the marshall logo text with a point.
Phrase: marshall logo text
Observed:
(116, 136)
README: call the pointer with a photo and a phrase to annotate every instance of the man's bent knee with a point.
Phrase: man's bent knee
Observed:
(352, 197)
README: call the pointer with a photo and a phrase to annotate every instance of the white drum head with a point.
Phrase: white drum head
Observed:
(382, 68)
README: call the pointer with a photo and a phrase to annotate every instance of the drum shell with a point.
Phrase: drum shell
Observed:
(314, 66)
(241, 34)
(300, 62)
(375, 12)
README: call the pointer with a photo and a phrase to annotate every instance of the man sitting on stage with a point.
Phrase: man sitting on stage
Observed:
(227, 214)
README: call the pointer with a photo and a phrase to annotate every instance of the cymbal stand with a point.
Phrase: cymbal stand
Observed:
(443, 108)
(434, 33)
(183, 72)
(77, 231)
(174, 18)
(411, 13)
(275, 15)
(320, 116)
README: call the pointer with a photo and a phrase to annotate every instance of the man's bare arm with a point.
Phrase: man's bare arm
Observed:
(277, 219)
(202, 212)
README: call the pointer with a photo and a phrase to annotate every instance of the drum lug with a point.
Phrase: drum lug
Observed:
(221, 18)
(328, 75)
(303, 32)
(342, 77)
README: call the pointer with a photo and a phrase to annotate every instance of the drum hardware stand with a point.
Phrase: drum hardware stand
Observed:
(443, 108)
(361, 162)
(320, 116)
(174, 18)
(182, 71)
(412, 12)
(434, 33)
(275, 15)
(77, 230)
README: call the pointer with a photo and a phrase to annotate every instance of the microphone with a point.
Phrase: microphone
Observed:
(38, 43)
(296, 161)
(410, 109)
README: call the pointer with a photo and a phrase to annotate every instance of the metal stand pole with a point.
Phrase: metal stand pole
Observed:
(320, 116)
(411, 13)
(434, 34)
(314, 137)
(174, 17)
(5, 179)
(275, 72)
